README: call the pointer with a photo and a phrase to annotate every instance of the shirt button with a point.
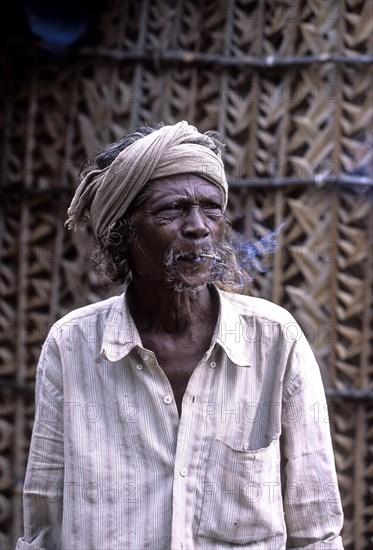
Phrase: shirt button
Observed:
(246, 446)
(212, 364)
(139, 367)
(183, 472)
(167, 399)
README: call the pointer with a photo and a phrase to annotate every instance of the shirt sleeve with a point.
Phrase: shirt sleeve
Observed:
(312, 504)
(43, 489)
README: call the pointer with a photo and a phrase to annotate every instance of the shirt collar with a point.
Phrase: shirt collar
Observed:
(230, 331)
(120, 332)
(121, 335)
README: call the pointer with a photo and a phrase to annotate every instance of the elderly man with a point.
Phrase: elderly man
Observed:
(178, 414)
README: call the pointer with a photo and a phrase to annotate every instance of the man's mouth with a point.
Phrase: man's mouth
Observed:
(196, 257)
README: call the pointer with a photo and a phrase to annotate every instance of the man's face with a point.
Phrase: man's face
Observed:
(181, 219)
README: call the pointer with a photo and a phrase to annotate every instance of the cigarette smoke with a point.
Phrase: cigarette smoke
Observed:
(252, 255)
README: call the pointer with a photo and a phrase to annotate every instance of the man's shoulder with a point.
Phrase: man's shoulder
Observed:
(261, 308)
(83, 314)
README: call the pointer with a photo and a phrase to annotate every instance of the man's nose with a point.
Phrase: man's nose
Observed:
(195, 224)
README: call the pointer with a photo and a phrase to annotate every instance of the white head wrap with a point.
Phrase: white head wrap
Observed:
(104, 195)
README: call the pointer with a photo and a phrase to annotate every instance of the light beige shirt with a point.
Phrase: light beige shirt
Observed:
(249, 463)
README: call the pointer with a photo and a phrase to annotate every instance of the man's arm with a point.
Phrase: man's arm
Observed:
(43, 490)
(312, 504)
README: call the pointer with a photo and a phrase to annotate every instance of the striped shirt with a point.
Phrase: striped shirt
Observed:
(249, 463)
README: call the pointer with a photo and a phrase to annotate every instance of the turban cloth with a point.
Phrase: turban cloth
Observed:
(103, 196)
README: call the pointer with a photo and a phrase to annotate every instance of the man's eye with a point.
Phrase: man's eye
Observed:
(213, 206)
(170, 207)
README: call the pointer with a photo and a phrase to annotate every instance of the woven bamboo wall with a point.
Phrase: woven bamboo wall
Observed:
(289, 86)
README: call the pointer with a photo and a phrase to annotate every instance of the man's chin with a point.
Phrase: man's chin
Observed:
(187, 283)
(183, 288)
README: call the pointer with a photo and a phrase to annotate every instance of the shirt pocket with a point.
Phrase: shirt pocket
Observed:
(241, 494)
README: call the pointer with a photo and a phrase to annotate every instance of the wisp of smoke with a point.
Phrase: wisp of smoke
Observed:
(251, 255)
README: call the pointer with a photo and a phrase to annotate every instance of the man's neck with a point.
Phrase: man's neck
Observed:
(156, 308)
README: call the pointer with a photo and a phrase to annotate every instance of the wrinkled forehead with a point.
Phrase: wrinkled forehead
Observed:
(179, 186)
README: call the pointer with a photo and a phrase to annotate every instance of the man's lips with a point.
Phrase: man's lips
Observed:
(196, 257)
